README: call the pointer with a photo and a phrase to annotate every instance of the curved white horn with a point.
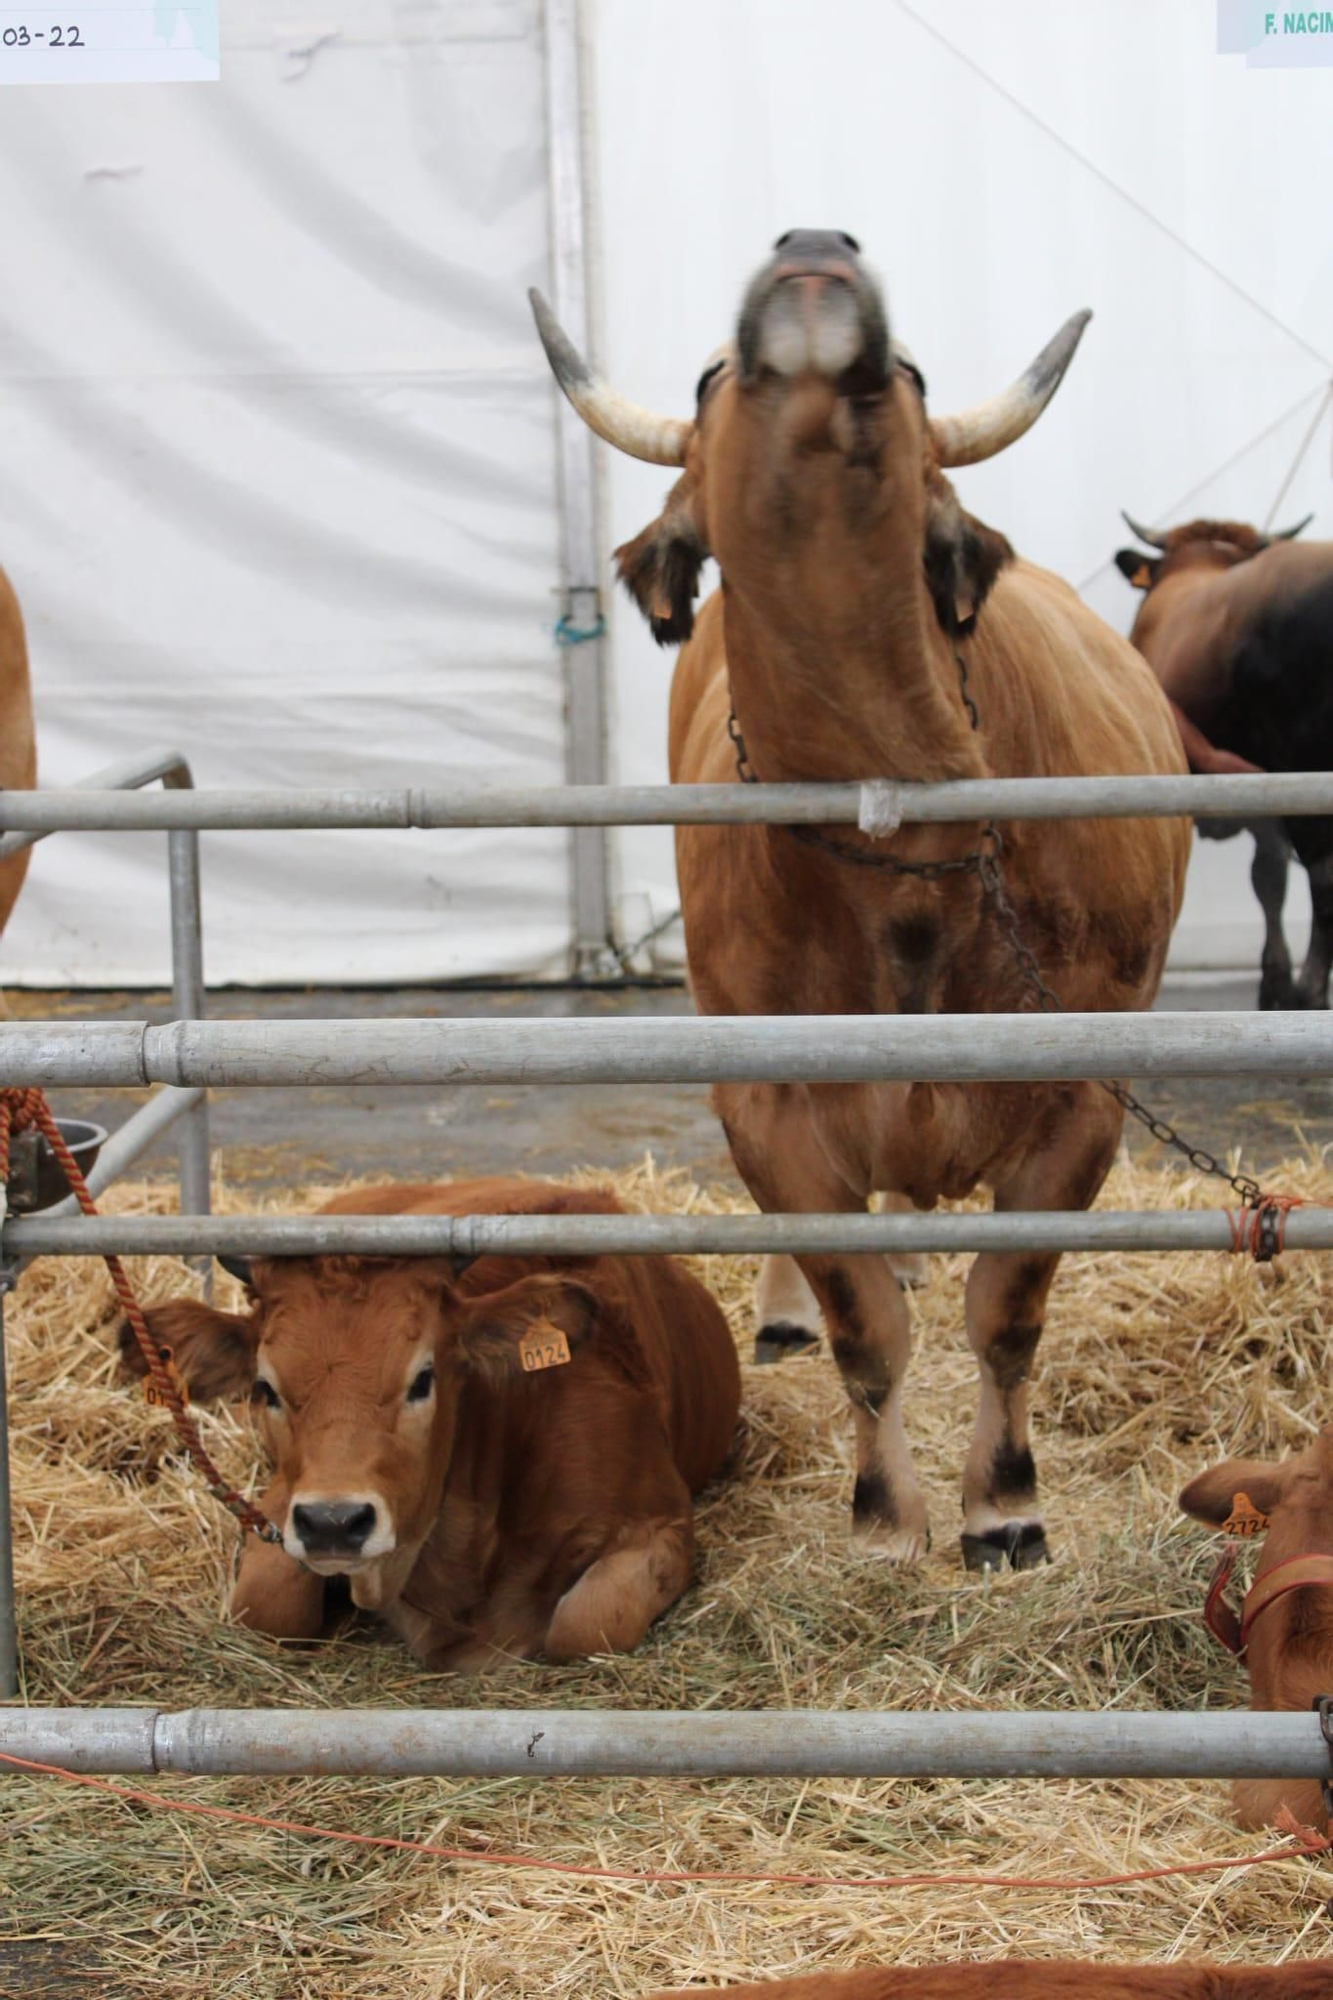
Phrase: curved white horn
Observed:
(628, 426)
(988, 427)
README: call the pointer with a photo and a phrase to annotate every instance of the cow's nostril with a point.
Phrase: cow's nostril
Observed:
(336, 1527)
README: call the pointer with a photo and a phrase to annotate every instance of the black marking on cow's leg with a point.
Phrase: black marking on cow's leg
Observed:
(872, 1502)
(779, 1339)
(1020, 1543)
(1013, 1476)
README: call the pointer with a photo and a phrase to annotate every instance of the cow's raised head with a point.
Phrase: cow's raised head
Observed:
(355, 1367)
(1198, 546)
(810, 452)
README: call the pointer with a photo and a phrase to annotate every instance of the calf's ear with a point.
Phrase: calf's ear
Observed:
(660, 568)
(496, 1325)
(1211, 1497)
(214, 1351)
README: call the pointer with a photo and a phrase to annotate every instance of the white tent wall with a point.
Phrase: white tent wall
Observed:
(1002, 165)
(279, 483)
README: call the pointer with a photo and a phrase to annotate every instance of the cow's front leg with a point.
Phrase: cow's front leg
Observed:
(1006, 1308)
(1312, 985)
(273, 1593)
(1268, 878)
(788, 1313)
(778, 1155)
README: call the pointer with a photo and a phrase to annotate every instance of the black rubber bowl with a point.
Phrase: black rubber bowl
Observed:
(85, 1141)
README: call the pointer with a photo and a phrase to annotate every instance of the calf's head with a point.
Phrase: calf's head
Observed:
(810, 451)
(355, 1367)
(1289, 1635)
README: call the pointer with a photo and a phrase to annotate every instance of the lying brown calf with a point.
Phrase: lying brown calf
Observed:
(1011, 1979)
(1286, 1623)
(483, 1510)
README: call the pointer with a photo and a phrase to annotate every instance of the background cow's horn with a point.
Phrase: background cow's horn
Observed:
(1148, 535)
(236, 1267)
(980, 432)
(1290, 534)
(628, 426)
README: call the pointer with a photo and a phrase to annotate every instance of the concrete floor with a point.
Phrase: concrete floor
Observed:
(273, 1138)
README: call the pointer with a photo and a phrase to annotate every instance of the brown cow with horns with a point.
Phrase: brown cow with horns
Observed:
(486, 1498)
(854, 587)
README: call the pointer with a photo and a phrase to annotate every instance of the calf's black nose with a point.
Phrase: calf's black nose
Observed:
(334, 1527)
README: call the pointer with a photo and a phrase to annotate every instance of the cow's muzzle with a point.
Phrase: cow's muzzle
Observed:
(813, 309)
(338, 1534)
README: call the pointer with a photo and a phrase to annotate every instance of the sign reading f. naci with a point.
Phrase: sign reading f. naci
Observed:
(1274, 37)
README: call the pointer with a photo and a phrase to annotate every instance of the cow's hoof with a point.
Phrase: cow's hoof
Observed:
(1278, 994)
(782, 1338)
(911, 1270)
(1022, 1545)
(894, 1545)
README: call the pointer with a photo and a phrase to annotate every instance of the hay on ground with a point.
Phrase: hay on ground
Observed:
(1152, 1366)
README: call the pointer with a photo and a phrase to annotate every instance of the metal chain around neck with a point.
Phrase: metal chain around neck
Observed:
(986, 862)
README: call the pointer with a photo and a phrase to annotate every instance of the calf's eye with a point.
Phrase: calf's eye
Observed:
(265, 1394)
(421, 1384)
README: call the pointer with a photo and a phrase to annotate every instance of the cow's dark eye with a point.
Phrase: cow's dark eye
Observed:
(265, 1394)
(421, 1384)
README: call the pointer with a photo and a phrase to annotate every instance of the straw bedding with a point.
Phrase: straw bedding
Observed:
(1151, 1368)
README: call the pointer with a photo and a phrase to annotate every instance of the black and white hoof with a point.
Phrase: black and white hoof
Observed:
(782, 1338)
(1021, 1544)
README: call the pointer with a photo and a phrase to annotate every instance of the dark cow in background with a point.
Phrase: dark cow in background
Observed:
(854, 586)
(1238, 627)
(484, 1511)
(18, 743)
(1286, 1622)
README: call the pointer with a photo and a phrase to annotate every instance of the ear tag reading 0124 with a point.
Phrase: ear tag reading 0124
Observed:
(543, 1346)
(1245, 1519)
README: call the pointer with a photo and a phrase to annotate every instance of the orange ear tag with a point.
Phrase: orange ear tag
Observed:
(1244, 1520)
(543, 1346)
(155, 1397)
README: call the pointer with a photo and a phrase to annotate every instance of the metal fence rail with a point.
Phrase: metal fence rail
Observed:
(800, 1048)
(48, 1235)
(188, 1055)
(546, 1742)
(88, 810)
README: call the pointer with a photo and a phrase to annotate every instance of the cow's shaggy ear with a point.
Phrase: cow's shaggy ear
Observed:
(214, 1351)
(1212, 1497)
(660, 568)
(1136, 568)
(963, 557)
(498, 1324)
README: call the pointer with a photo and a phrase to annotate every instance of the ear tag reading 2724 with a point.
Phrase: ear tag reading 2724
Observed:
(543, 1346)
(1245, 1519)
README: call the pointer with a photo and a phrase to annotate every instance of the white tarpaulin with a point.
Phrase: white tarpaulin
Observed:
(278, 482)
(1002, 162)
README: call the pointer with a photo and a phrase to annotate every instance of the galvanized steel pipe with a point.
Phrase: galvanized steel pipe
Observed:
(802, 1048)
(537, 1743)
(219, 809)
(72, 1235)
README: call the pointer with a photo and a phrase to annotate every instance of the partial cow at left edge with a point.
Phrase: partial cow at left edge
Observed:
(501, 1462)
(18, 743)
